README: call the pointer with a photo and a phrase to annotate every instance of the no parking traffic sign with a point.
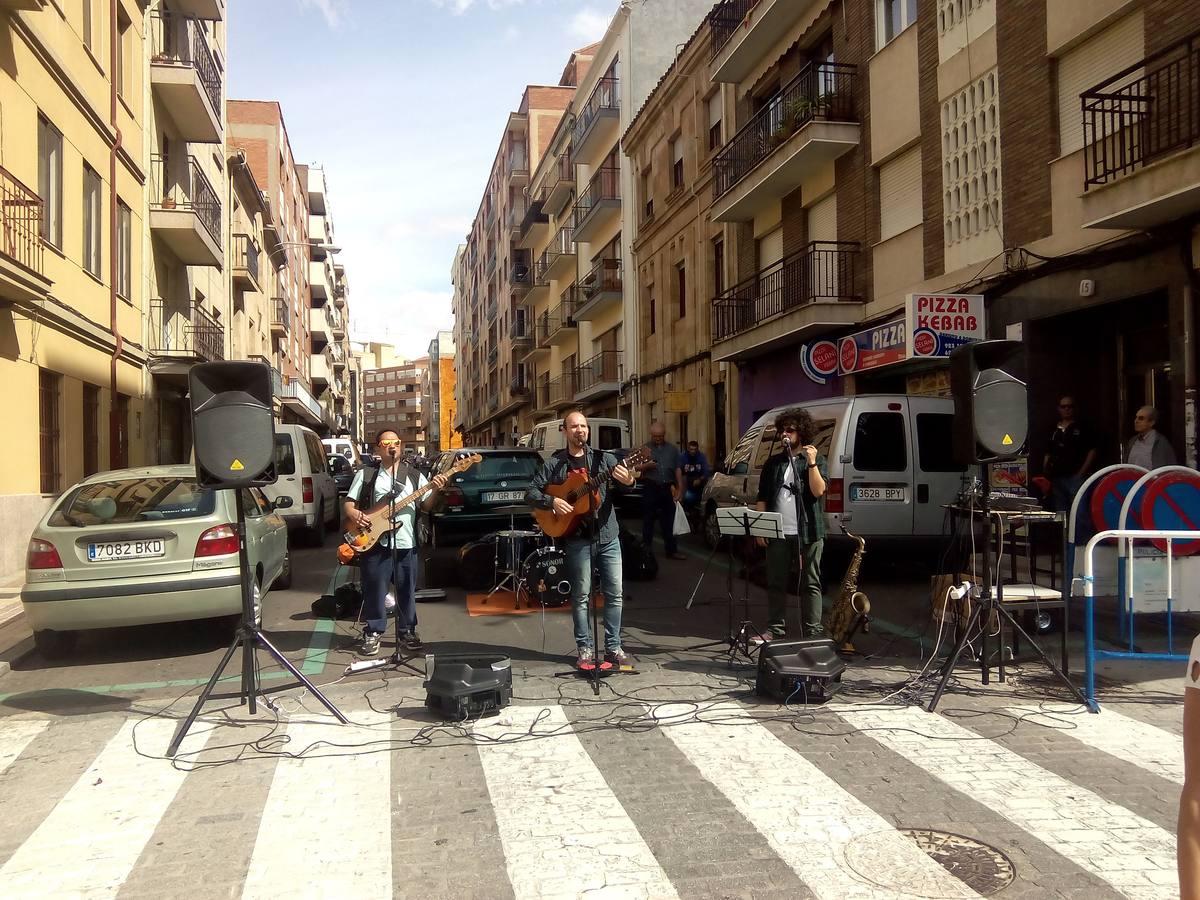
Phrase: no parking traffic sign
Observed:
(1171, 502)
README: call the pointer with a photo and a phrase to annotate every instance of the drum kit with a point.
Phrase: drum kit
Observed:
(525, 562)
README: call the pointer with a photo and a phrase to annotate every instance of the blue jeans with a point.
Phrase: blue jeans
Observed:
(377, 574)
(1063, 490)
(579, 570)
(657, 506)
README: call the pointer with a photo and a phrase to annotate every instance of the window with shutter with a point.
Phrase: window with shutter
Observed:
(1115, 48)
(900, 194)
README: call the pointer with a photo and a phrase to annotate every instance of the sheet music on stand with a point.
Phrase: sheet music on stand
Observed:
(742, 521)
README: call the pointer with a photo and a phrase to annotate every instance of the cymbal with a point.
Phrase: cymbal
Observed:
(520, 507)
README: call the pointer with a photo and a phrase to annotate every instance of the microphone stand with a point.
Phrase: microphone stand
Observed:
(593, 561)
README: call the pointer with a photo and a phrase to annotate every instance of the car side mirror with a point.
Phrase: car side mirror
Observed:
(281, 502)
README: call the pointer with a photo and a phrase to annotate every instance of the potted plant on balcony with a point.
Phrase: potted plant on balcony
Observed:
(168, 203)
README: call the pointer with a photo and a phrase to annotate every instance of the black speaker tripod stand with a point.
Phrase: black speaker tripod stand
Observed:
(987, 608)
(249, 637)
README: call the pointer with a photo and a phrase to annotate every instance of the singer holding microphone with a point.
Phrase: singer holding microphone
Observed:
(599, 536)
(793, 485)
(380, 565)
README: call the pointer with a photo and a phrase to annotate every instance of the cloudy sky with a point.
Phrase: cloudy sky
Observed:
(404, 103)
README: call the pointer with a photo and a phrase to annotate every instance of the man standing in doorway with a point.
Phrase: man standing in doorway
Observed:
(1148, 448)
(793, 484)
(662, 485)
(1070, 456)
(578, 546)
(377, 563)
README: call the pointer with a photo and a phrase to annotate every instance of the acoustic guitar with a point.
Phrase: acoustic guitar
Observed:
(582, 492)
(361, 538)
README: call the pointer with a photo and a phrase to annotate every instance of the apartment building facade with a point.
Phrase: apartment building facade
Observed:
(492, 273)
(190, 309)
(257, 129)
(73, 169)
(679, 254)
(392, 400)
(438, 393)
(329, 361)
(1029, 159)
(582, 298)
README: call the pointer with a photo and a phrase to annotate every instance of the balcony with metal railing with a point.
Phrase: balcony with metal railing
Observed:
(489, 268)
(185, 211)
(811, 122)
(805, 294)
(1141, 131)
(520, 272)
(336, 355)
(743, 31)
(246, 262)
(562, 390)
(184, 332)
(600, 289)
(21, 210)
(520, 335)
(514, 217)
(493, 356)
(185, 75)
(516, 165)
(534, 224)
(337, 322)
(560, 183)
(599, 376)
(599, 205)
(281, 317)
(537, 344)
(492, 310)
(560, 255)
(562, 318)
(518, 386)
(540, 396)
(598, 122)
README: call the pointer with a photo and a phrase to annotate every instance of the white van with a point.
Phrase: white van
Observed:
(891, 467)
(304, 476)
(343, 446)
(606, 434)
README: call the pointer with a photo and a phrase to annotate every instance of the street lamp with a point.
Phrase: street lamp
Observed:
(327, 248)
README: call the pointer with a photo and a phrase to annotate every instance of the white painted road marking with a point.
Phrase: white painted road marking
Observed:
(564, 832)
(1132, 854)
(93, 837)
(16, 735)
(326, 827)
(1153, 749)
(806, 816)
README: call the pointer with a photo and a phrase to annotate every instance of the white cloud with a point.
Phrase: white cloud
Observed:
(588, 24)
(458, 7)
(330, 10)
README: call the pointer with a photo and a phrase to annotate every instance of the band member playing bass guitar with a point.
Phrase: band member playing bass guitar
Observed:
(579, 463)
(377, 563)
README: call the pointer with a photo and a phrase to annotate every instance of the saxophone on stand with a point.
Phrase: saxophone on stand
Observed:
(852, 608)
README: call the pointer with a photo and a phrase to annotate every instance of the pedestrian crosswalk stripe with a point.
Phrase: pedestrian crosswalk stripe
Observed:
(1139, 743)
(16, 735)
(564, 832)
(94, 835)
(813, 823)
(325, 829)
(1133, 855)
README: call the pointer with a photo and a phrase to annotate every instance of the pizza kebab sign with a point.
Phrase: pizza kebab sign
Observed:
(932, 326)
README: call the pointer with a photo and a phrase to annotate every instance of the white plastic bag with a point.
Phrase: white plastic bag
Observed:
(682, 525)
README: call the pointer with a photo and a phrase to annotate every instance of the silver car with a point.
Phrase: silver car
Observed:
(139, 546)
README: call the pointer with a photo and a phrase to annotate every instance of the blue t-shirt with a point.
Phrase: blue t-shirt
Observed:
(406, 517)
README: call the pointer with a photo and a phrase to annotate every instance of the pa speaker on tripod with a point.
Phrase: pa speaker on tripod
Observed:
(233, 425)
(991, 416)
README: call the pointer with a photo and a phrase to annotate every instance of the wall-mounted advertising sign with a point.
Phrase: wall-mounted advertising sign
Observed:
(819, 360)
(937, 323)
(882, 345)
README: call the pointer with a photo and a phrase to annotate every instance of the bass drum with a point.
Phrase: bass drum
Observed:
(477, 563)
(544, 575)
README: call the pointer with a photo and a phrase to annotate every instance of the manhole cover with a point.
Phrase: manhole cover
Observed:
(982, 868)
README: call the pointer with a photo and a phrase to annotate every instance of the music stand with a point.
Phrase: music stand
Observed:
(744, 522)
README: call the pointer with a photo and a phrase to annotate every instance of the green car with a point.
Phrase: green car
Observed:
(140, 546)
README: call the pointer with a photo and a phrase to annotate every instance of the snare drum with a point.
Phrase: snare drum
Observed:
(544, 574)
(514, 547)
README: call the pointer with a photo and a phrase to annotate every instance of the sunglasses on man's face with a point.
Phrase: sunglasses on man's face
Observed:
(791, 429)
(389, 443)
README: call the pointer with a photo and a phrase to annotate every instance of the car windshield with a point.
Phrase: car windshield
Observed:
(504, 465)
(134, 500)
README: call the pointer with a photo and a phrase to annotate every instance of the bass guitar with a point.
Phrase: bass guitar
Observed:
(582, 492)
(361, 538)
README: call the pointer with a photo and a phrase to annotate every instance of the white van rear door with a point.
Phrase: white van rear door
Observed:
(879, 476)
(938, 478)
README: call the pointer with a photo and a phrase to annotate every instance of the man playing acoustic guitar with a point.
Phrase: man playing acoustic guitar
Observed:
(575, 463)
(376, 563)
